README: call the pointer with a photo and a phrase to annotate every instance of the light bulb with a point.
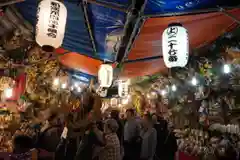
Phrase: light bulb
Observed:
(64, 86)
(76, 84)
(125, 101)
(153, 94)
(226, 69)
(79, 89)
(194, 81)
(8, 92)
(56, 82)
(174, 88)
(163, 92)
(148, 96)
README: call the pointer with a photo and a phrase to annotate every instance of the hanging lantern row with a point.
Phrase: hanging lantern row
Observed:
(50, 30)
(175, 47)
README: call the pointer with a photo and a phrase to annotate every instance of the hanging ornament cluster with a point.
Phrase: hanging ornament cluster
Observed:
(230, 128)
(51, 23)
(175, 46)
(202, 78)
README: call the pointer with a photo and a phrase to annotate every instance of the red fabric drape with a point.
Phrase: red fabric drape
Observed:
(19, 88)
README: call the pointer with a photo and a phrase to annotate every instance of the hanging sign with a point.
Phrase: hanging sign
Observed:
(175, 46)
(123, 88)
(82, 77)
(51, 22)
(105, 75)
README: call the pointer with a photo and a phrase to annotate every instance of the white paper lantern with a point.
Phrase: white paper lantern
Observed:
(51, 23)
(175, 46)
(114, 102)
(105, 75)
(123, 88)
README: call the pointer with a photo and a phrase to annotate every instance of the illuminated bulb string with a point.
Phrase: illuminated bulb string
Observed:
(56, 81)
(8, 92)
(194, 81)
(174, 88)
(226, 69)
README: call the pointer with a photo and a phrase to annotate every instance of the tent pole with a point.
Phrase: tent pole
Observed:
(84, 5)
(10, 2)
(229, 15)
(131, 28)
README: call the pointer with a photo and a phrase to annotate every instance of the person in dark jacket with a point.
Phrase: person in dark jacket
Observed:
(132, 139)
(167, 143)
(50, 137)
(88, 142)
(23, 148)
(22, 144)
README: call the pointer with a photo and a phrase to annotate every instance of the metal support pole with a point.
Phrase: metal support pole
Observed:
(2, 4)
(131, 28)
(84, 5)
(229, 15)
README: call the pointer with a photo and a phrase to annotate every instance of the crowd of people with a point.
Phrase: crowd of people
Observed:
(112, 138)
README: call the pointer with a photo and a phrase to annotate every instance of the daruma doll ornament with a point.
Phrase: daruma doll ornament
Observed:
(51, 23)
(175, 46)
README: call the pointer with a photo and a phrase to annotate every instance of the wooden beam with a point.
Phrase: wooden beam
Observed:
(9, 2)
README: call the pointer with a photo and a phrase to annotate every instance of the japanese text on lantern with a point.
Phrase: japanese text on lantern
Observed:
(172, 43)
(53, 20)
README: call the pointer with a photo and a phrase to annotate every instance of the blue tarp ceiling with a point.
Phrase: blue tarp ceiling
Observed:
(106, 21)
(107, 24)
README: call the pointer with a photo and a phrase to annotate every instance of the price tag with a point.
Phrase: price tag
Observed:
(64, 133)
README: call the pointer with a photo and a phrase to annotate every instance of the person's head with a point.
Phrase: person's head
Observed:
(115, 114)
(147, 120)
(22, 143)
(130, 113)
(110, 126)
